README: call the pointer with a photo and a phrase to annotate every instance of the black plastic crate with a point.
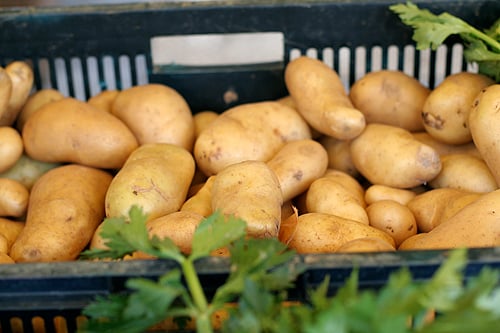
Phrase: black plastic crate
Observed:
(83, 49)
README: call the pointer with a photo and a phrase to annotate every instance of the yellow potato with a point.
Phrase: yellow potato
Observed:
(156, 177)
(9, 230)
(390, 97)
(156, 113)
(66, 206)
(474, 226)
(445, 148)
(201, 201)
(464, 172)
(251, 131)
(321, 99)
(21, 76)
(339, 154)
(5, 92)
(394, 218)
(104, 100)
(4, 246)
(366, 244)
(11, 147)
(391, 156)
(376, 193)
(6, 259)
(330, 194)
(297, 164)
(202, 120)
(34, 102)
(435, 206)
(14, 198)
(27, 170)
(69, 130)
(446, 110)
(250, 190)
(326, 233)
(484, 123)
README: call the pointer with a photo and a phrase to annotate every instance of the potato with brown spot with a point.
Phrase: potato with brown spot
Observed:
(66, 205)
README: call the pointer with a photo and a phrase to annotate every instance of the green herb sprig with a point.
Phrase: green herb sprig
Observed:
(431, 30)
(263, 270)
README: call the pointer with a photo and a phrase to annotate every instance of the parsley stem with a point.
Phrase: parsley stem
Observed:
(495, 45)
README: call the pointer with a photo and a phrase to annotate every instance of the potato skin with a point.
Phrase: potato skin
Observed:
(391, 156)
(21, 76)
(72, 131)
(445, 148)
(251, 131)
(156, 113)
(9, 230)
(34, 102)
(484, 123)
(201, 201)
(11, 147)
(321, 99)
(202, 120)
(390, 97)
(5, 92)
(446, 111)
(366, 244)
(326, 233)
(104, 100)
(297, 164)
(376, 193)
(155, 177)
(339, 154)
(14, 199)
(66, 205)
(250, 190)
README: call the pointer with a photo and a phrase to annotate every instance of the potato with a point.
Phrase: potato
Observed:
(9, 230)
(376, 193)
(202, 120)
(465, 172)
(366, 244)
(435, 206)
(66, 205)
(156, 177)
(6, 259)
(5, 92)
(474, 226)
(390, 97)
(391, 156)
(21, 76)
(484, 124)
(297, 164)
(4, 246)
(250, 190)
(339, 154)
(321, 99)
(14, 199)
(201, 202)
(394, 218)
(326, 233)
(446, 110)
(251, 131)
(104, 100)
(445, 148)
(27, 170)
(11, 147)
(330, 195)
(156, 113)
(72, 131)
(34, 102)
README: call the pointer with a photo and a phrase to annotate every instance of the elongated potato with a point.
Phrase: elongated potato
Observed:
(66, 205)
(155, 177)
(156, 113)
(339, 154)
(464, 172)
(5, 92)
(69, 130)
(475, 225)
(484, 123)
(201, 201)
(14, 198)
(446, 111)
(390, 97)
(252, 131)
(321, 98)
(250, 190)
(433, 207)
(9, 230)
(21, 76)
(11, 147)
(326, 233)
(330, 194)
(297, 164)
(34, 102)
(376, 193)
(391, 156)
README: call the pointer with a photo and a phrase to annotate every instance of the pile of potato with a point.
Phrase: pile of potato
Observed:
(389, 165)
